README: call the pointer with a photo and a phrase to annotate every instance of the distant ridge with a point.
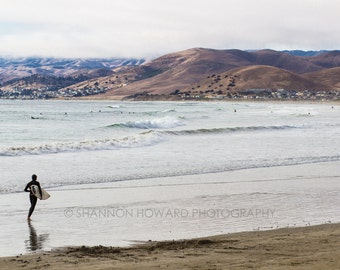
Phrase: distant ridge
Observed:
(305, 53)
(12, 68)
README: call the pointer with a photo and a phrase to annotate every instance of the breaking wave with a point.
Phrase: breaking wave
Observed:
(140, 140)
(146, 138)
(158, 123)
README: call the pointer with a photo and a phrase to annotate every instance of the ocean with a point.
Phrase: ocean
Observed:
(123, 172)
(81, 142)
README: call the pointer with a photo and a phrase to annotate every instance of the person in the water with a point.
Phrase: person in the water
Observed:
(33, 198)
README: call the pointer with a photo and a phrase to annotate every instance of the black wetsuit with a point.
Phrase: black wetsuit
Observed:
(33, 199)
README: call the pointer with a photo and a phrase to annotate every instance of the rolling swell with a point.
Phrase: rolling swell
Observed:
(203, 131)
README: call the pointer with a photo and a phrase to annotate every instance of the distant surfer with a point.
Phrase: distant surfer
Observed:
(33, 198)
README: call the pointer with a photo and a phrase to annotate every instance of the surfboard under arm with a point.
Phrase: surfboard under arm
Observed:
(36, 192)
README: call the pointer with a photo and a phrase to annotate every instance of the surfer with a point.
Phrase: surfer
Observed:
(33, 198)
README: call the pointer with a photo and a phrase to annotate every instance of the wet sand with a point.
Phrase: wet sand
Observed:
(185, 207)
(313, 247)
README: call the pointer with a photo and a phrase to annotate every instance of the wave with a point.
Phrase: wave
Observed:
(229, 130)
(157, 123)
(114, 106)
(140, 140)
(161, 112)
(126, 110)
(146, 138)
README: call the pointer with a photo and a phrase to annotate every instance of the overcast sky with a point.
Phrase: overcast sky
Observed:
(150, 28)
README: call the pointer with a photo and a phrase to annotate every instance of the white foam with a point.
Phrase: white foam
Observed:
(157, 123)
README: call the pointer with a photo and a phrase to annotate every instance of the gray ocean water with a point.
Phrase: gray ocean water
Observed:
(78, 142)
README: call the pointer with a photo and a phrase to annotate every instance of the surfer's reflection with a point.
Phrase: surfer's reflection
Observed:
(35, 242)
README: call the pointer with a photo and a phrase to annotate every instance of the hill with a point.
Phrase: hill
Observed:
(285, 61)
(178, 70)
(188, 70)
(329, 77)
(258, 77)
(327, 60)
(185, 70)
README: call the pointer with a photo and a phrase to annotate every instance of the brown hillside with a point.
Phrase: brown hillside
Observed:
(272, 78)
(186, 69)
(284, 61)
(327, 60)
(329, 77)
(178, 70)
(252, 77)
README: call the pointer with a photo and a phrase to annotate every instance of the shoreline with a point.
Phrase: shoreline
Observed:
(241, 100)
(250, 100)
(312, 247)
(173, 208)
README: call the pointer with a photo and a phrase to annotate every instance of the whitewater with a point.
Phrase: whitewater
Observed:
(83, 142)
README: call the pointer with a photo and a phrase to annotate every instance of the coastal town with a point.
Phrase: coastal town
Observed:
(264, 94)
(248, 94)
(46, 93)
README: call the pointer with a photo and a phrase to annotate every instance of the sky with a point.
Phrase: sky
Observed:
(150, 28)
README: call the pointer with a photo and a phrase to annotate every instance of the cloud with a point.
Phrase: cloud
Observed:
(148, 28)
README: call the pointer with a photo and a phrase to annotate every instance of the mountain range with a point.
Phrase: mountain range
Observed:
(13, 68)
(193, 72)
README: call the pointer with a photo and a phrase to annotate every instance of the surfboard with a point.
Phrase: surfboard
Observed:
(36, 192)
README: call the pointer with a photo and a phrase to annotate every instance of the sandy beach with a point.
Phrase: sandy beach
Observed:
(314, 247)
